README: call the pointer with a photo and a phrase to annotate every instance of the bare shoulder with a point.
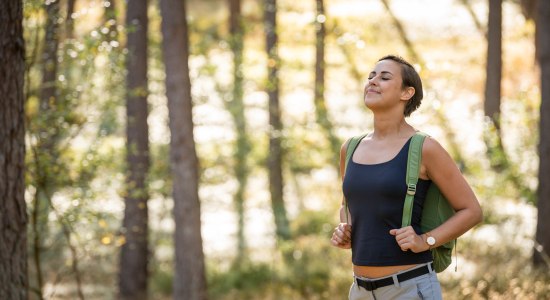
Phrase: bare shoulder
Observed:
(432, 147)
(436, 159)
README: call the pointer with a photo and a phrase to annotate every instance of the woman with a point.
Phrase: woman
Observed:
(374, 187)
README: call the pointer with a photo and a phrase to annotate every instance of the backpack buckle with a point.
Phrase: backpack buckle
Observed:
(411, 189)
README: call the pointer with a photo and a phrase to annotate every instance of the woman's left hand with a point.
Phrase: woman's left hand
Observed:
(407, 239)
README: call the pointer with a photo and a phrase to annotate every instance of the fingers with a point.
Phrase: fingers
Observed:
(405, 237)
(345, 229)
(341, 237)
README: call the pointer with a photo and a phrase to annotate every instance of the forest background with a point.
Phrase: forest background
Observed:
(106, 194)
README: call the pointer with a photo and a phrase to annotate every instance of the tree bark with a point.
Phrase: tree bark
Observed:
(13, 210)
(134, 254)
(274, 160)
(529, 9)
(542, 238)
(190, 278)
(494, 63)
(491, 104)
(237, 110)
(319, 92)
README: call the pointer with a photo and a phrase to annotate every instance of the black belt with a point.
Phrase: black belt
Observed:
(371, 285)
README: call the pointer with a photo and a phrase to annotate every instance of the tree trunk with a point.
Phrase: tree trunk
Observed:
(189, 278)
(69, 22)
(542, 238)
(48, 138)
(491, 105)
(494, 63)
(13, 223)
(319, 94)
(49, 57)
(134, 254)
(529, 9)
(274, 160)
(236, 108)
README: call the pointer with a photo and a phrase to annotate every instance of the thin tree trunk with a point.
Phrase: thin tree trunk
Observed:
(542, 238)
(274, 160)
(408, 44)
(190, 277)
(323, 118)
(529, 10)
(111, 20)
(491, 104)
(134, 254)
(69, 22)
(48, 136)
(68, 43)
(477, 23)
(494, 63)
(49, 57)
(13, 223)
(498, 156)
(237, 109)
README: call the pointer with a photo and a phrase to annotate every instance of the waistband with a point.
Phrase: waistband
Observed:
(373, 284)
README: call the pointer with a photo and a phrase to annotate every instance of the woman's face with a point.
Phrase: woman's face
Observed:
(384, 88)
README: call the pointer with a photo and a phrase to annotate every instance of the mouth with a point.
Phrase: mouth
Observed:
(372, 91)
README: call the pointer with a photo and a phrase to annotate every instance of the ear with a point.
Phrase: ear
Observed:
(407, 93)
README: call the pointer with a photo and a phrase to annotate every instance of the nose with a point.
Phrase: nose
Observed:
(373, 81)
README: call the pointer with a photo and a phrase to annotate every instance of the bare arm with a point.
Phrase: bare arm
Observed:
(442, 170)
(438, 166)
(343, 213)
(341, 237)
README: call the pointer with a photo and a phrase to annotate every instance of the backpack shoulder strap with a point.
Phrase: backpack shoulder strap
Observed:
(352, 145)
(413, 169)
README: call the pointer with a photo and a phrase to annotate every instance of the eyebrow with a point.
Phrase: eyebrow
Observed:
(383, 72)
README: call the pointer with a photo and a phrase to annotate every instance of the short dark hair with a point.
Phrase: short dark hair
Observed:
(410, 79)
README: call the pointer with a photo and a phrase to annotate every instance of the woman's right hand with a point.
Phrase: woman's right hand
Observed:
(341, 237)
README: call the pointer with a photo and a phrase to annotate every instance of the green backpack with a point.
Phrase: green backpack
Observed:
(436, 208)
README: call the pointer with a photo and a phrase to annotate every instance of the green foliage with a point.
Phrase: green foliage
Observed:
(245, 280)
(310, 263)
(310, 268)
(503, 272)
(306, 148)
(162, 281)
(312, 222)
(160, 172)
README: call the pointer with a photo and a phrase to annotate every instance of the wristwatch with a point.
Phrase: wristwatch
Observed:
(430, 240)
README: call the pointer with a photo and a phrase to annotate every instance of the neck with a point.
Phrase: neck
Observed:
(390, 126)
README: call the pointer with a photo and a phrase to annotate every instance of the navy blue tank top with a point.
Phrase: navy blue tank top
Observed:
(375, 194)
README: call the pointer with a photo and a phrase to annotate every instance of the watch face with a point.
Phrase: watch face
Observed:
(430, 240)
